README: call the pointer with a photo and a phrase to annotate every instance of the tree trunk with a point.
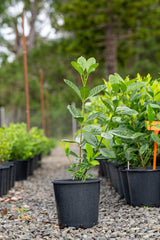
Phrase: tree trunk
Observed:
(111, 50)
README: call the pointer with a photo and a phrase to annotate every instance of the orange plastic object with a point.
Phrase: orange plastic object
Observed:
(153, 128)
(156, 131)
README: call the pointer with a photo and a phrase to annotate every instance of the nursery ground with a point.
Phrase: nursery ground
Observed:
(29, 212)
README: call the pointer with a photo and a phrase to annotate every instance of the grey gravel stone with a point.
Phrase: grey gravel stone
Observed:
(117, 220)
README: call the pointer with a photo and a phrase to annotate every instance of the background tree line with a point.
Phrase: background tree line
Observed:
(123, 35)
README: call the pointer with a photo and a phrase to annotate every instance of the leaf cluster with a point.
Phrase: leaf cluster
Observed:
(86, 138)
(127, 105)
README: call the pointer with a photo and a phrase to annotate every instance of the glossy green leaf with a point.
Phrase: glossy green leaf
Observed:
(73, 86)
(69, 141)
(90, 138)
(75, 113)
(98, 115)
(122, 84)
(92, 129)
(114, 83)
(107, 135)
(84, 91)
(74, 154)
(126, 110)
(92, 68)
(155, 138)
(94, 162)
(90, 62)
(108, 103)
(151, 114)
(144, 148)
(89, 151)
(138, 134)
(108, 153)
(77, 67)
(123, 133)
(135, 86)
(82, 62)
(96, 90)
(155, 105)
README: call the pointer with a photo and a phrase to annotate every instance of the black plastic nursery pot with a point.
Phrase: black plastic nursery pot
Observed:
(39, 159)
(30, 166)
(35, 159)
(11, 173)
(103, 168)
(77, 202)
(21, 169)
(144, 187)
(125, 187)
(4, 179)
(114, 173)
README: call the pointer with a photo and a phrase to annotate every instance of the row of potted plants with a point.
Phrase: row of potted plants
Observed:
(133, 105)
(20, 153)
(112, 126)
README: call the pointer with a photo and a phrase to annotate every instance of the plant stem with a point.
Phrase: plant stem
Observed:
(81, 129)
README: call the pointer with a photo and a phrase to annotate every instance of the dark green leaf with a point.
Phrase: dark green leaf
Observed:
(108, 103)
(108, 153)
(85, 91)
(151, 114)
(98, 115)
(73, 86)
(90, 138)
(155, 138)
(144, 148)
(96, 90)
(69, 141)
(75, 113)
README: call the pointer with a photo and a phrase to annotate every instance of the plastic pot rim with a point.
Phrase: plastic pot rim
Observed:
(71, 181)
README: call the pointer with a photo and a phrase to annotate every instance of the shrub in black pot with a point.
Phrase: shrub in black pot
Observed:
(136, 142)
(77, 199)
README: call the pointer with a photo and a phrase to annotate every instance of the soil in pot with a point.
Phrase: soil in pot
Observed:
(77, 202)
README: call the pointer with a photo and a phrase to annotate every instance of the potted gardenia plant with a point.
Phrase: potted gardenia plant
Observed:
(77, 199)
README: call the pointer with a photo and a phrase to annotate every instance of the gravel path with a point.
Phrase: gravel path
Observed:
(28, 211)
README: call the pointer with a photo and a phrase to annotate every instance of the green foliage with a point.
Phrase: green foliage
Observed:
(87, 134)
(17, 144)
(127, 105)
(5, 146)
